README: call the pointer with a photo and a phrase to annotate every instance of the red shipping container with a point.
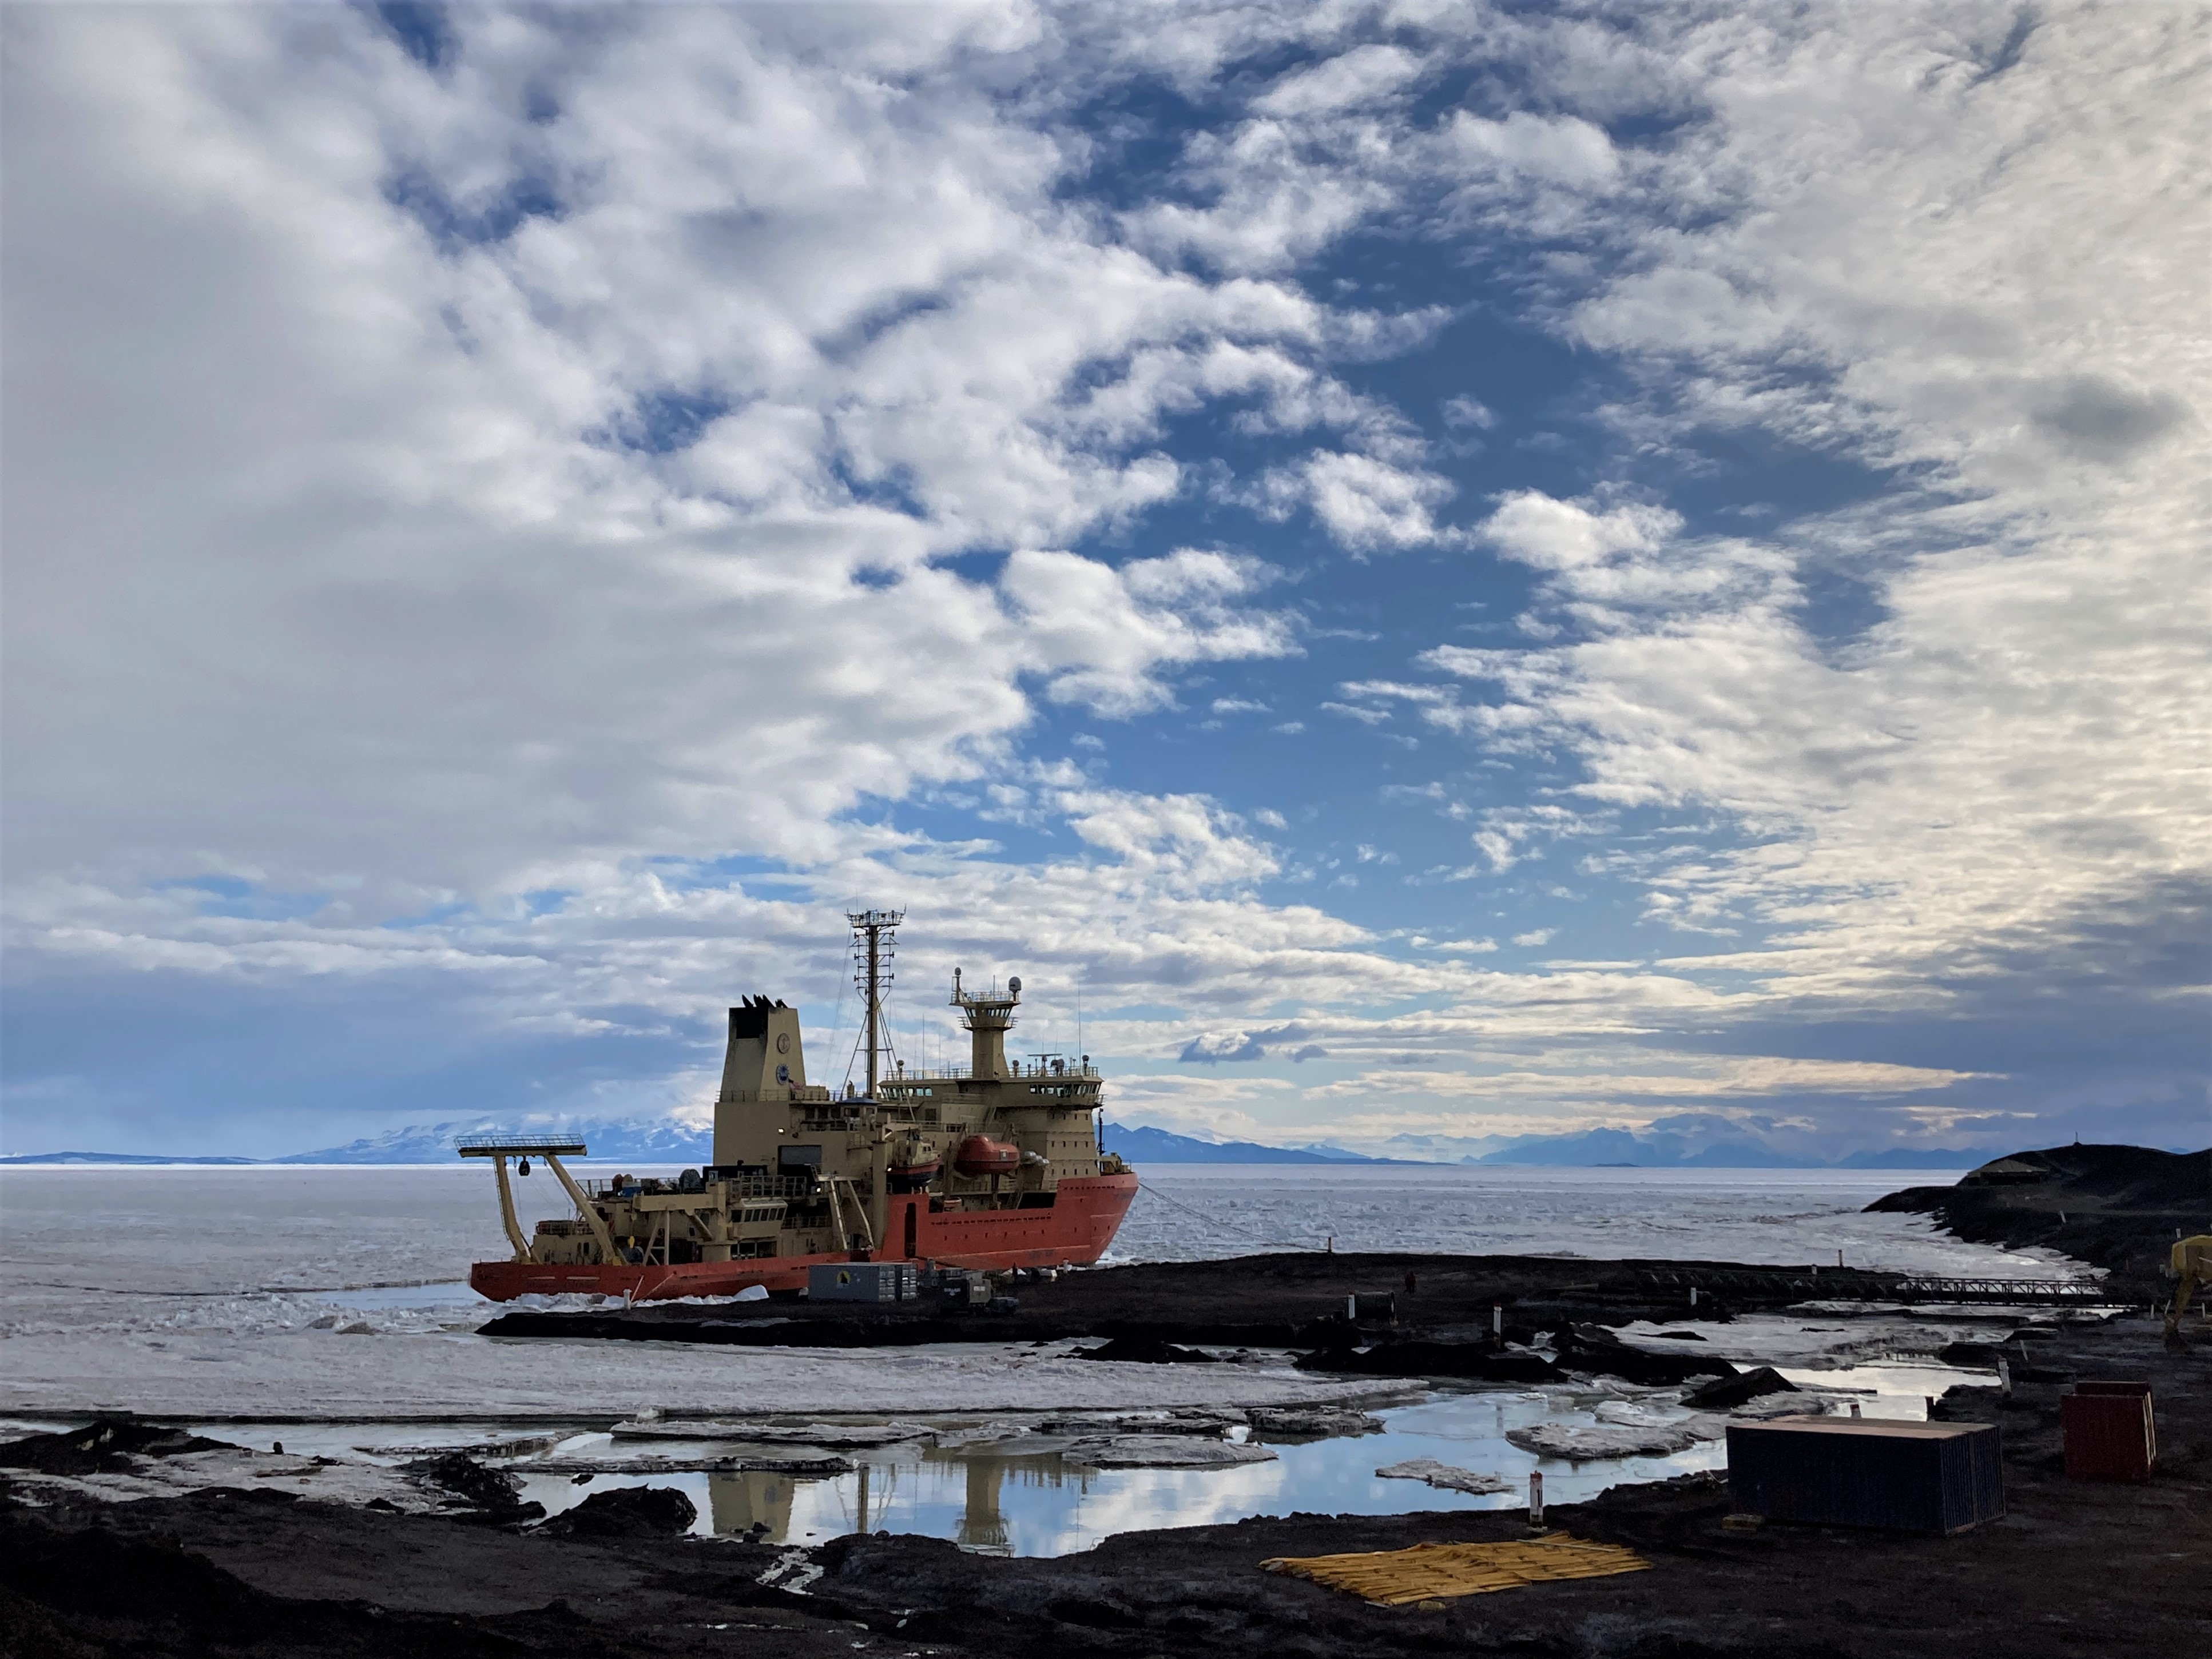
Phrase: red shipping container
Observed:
(2108, 1432)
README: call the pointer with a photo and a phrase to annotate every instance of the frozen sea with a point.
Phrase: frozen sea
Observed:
(339, 1292)
(1190, 1212)
(332, 1299)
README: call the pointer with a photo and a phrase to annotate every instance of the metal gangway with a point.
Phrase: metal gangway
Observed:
(1856, 1285)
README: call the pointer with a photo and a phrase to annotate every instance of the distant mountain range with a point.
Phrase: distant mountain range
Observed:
(115, 1158)
(665, 1141)
(1697, 1142)
(1141, 1144)
(1684, 1143)
(640, 1140)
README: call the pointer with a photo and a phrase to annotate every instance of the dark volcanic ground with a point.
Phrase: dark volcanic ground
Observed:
(2075, 1569)
(1462, 1317)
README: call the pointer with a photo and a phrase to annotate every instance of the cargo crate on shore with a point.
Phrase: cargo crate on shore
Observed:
(1866, 1471)
(2108, 1432)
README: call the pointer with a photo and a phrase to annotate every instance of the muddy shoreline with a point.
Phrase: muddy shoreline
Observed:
(1472, 1318)
(2073, 1569)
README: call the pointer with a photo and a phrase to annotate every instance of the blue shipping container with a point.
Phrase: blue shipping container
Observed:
(1864, 1472)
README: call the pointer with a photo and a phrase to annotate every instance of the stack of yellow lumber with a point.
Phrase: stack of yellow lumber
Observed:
(1434, 1573)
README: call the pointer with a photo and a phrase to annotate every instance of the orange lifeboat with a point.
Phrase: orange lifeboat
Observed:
(980, 1155)
(915, 1171)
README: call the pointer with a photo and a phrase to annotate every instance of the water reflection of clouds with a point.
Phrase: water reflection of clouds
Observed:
(1033, 1503)
(1131, 1500)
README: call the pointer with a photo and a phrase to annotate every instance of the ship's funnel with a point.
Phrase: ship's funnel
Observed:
(763, 1062)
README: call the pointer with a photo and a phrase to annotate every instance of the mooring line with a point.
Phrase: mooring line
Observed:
(1257, 1239)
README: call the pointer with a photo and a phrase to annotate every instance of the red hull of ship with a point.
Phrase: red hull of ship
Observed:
(1086, 1214)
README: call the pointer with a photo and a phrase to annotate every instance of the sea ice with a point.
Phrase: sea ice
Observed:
(1784, 1216)
(1579, 1445)
(838, 1435)
(332, 1480)
(1164, 1452)
(1791, 1340)
(1445, 1476)
(195, 1293)
(1153, 1423)
(1311, 1419)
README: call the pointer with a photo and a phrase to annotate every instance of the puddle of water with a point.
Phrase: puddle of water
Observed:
(1892, 1389)
(1000, 1500)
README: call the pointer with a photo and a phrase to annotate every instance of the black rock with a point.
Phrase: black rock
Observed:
(1736, 1390)
(627, 1512)
(1146, 1351)
(1969, 1356)
(493, 1490)
(1593, 1348)
(107, 1443)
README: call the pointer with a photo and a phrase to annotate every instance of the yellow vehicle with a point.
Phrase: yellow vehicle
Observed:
(2192, 1266)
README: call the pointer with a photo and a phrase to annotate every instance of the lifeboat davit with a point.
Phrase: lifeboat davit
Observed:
(980, 1155)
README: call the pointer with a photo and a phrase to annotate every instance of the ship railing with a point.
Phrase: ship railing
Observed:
(741, 1186)
(509, 1146)
(960, 1073)
(1857, 1285)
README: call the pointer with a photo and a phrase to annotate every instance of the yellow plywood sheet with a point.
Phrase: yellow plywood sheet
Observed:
(1435, 1572)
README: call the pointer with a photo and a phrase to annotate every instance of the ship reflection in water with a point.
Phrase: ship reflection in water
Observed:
(993, 1499)
(966, 1499)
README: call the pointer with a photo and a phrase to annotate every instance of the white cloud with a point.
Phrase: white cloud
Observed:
(1554, 535)
(1561, 150)
(1099, 634)
(368, 488)
(1919, 264)
(477, 510)
(1355, 77)
(1366, 503)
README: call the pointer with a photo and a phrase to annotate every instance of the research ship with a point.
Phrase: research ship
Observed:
(993, 1165)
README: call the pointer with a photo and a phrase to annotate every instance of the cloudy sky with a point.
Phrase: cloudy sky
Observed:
(1424, 573)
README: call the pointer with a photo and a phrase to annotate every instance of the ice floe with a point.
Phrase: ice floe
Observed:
(1445, 1476)
(827, 1434)
(1164, 1452)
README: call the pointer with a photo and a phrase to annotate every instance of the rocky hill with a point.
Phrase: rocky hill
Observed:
(2117, 1207)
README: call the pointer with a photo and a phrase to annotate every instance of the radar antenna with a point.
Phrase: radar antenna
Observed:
(874, 932)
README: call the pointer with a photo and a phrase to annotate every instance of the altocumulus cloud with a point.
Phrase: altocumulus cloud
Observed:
(512, 518)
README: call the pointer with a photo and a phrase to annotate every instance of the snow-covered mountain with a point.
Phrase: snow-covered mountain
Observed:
(1141, 1144)
(643, 1140)
(126, 1158)
(1697, 1140)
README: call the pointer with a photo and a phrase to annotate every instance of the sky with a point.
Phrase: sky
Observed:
(1426, 575)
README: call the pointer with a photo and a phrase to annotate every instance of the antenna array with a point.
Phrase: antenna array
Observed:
(874, 935)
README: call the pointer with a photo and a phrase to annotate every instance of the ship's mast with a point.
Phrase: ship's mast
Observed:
(874, 932)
